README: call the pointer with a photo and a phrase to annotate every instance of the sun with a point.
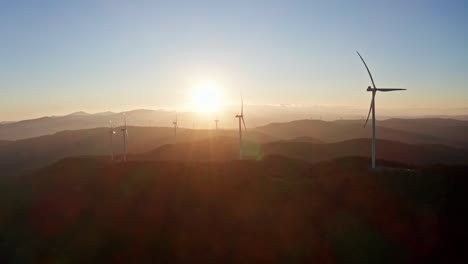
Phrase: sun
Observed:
(206, 98)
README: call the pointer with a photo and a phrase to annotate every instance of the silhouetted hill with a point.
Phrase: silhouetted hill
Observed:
(22, 155)
(456, 130)
(277, 210)
(415, 154)
(204, 145)
(306, 139)
(80, 113)
(222, 149)
(77, 121)
(82, 120)
(258, 115)
(414, 131)
(448, 132)
(211, 149)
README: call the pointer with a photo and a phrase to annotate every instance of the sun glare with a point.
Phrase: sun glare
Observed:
(206, 98)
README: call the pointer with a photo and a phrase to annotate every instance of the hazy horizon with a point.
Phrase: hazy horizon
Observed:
(272, 113)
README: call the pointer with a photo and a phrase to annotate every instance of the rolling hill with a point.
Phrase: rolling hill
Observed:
(444, 128)
(222, 149)
(294, 139)
(448, 132)
(414, 131)
(19, 156)
(78, 121)
(413, 154)
(204, 145)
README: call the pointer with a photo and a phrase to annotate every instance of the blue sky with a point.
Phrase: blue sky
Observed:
(58, 57)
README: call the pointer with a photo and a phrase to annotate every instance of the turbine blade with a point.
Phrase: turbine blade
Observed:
(370, 75)
(390, 89)
(370, 109)
(242, 105)
(243, 121)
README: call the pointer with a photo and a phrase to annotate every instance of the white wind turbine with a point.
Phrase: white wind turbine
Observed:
(111, 133)
(374, 90)
(124, 133)
(241, 117)
(175, 129)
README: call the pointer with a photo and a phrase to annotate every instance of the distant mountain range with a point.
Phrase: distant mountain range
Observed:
(81, 120)
(442, 129)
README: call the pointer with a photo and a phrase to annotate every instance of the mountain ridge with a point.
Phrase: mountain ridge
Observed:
(143, 117)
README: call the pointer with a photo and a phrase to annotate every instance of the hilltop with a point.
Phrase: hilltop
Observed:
(275, 210)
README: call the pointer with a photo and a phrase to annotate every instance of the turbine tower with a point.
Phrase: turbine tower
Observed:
(216, 123)
(374, 90)
(124, 133)
(241, 117)
(175, 129)
(111, 133)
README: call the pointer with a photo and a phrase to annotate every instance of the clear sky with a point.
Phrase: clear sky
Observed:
(61, 56)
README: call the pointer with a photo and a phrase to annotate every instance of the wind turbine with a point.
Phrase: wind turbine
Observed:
(374, 90)
(216, 123)
(175, 129)
(241, 117)
(124, 133)
(111, 133)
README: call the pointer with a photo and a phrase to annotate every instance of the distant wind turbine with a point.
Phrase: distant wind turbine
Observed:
(374, 90)
(216, 123)
(241, 117)
(111, 133)
(124, 133)
(175, 129)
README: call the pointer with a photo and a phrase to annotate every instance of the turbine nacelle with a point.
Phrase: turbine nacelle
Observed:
(370, 89)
